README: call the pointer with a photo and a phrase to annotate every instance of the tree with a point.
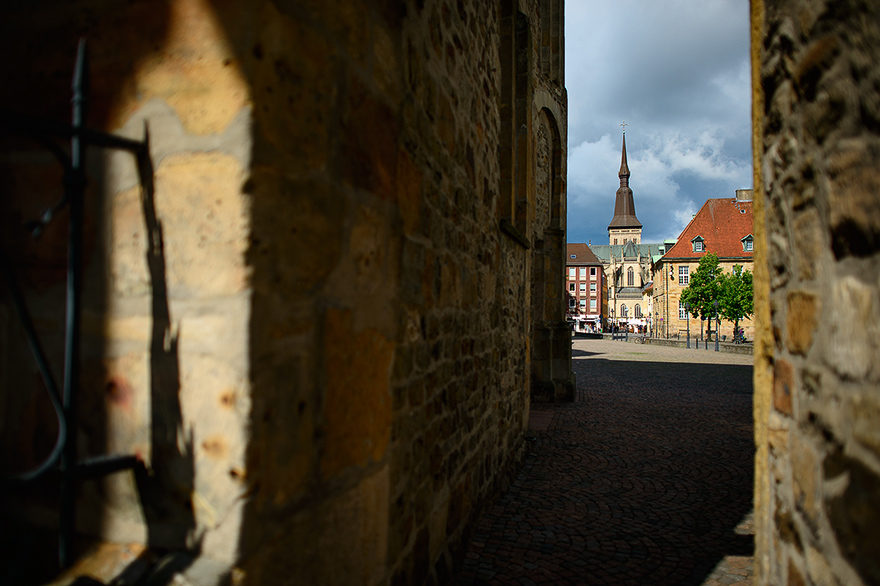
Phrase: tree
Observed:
(704, 288)
(736, 301)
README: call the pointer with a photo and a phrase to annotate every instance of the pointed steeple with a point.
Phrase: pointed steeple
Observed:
(624, 168)
(624, 206)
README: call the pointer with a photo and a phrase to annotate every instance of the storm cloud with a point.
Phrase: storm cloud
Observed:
(678, 73)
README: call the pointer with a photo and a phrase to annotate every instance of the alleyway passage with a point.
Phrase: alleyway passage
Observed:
(646, 479)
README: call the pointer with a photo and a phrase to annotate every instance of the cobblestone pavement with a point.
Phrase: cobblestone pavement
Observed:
(645, 479)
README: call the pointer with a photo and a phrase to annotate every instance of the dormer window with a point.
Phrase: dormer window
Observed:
(748, 243)
(699, 244)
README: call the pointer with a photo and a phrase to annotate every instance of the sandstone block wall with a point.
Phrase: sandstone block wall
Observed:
(314, 330)
(816, 67)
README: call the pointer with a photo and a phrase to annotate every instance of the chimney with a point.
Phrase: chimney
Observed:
(743, 195)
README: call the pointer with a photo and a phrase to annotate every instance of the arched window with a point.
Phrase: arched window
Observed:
(638, 311)
(623, 310)
(630, 277)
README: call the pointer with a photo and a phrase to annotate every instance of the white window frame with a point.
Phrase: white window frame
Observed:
(592, 272)
(572, 272)
(583, 287)
(683, 275)
(583, 303)
(592, 287)
(682, 311)
(583, 271)
(592, 305)
(571, 287)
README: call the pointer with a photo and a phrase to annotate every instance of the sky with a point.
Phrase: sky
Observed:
(677, 72)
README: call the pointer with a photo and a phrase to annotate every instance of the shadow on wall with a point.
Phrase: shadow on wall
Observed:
(37, 80)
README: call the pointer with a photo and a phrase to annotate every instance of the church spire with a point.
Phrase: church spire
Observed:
(624, 206)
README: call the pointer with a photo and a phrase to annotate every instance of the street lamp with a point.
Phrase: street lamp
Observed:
(687, 308)
(717, 324)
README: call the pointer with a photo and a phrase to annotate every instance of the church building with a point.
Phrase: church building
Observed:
(626, 260)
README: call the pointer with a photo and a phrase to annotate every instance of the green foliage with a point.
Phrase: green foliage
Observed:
(736, 301)
(704, 287)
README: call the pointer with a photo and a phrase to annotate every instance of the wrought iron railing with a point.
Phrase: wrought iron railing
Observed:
(63, 459)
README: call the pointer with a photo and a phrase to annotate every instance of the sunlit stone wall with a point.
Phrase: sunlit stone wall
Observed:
(817, 142)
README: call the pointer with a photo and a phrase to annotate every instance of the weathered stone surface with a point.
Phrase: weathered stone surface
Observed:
(854, 515)
(358, 402)
(783, 386)
(308, 549)
(863, 411)
(817, 149)
(852, 351)
(803, 313)
(194, 71)
(805, 468)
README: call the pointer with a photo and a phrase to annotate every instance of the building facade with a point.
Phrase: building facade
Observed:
(722, 226)
(586, 288)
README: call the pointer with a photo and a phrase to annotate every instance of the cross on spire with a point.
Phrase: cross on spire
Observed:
(624, 125)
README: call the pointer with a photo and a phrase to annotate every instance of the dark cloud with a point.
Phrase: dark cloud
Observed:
(678, 73)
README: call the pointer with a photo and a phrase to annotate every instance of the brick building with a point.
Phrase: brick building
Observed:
(586, 287)
(722, 226)
(317, 301)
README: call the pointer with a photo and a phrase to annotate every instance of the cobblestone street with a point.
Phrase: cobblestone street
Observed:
(645, 479)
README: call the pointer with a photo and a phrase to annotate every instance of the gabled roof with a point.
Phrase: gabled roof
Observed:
(722, 224)
(630, 249)
(582, 255)
(606, 251)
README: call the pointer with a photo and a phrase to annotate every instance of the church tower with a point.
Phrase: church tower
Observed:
(625, 226)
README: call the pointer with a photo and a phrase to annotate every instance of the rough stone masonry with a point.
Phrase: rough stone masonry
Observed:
(816, 72)
(322, 330)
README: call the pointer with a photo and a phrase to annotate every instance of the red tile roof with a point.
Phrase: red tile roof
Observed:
(722, 223)
(582, 253)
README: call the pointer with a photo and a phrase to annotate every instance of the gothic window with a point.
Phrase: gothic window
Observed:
(623, 310)
(630, 277)
(637, 310)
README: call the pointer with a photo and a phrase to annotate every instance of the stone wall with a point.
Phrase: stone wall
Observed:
(816, 72)
(321, 328)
